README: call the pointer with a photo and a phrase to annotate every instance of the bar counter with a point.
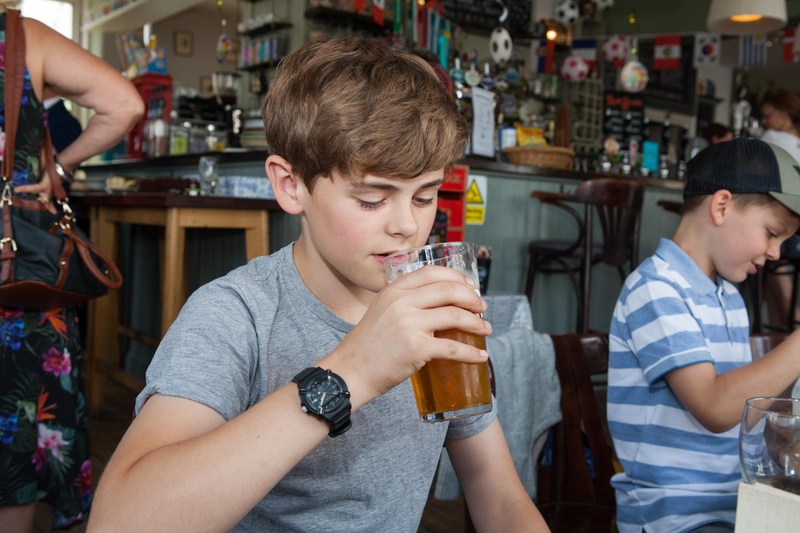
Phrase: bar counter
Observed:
(512, 220)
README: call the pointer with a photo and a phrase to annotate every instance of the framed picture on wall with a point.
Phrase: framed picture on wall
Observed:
(182, 43)
(206, 87)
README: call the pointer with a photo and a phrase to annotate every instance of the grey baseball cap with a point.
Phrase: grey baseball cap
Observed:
(746, 166)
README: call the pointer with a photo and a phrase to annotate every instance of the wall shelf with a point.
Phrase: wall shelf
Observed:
(266, 29)
(135, 15)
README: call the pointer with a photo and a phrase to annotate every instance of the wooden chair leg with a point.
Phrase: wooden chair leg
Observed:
(758, 290)
(793, 300)
(529, 278)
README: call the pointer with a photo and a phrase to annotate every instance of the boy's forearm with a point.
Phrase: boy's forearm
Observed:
(717, 400)
(210, 482)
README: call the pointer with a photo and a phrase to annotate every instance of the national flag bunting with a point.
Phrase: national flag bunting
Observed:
(378, 8)
(753, 50)
(667, 54)
(788, 44)
(359, 5)
(586, 49)
(543, 54)
(706, 49)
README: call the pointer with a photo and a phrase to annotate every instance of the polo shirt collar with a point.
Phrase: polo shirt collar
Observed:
(688, 268)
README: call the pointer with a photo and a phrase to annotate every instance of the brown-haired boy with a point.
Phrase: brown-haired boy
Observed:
(359, 136)
(680, 367)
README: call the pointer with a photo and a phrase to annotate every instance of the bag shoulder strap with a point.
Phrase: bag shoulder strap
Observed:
(14, 78)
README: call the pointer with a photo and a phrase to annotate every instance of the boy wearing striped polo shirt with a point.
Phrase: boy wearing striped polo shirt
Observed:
(680, 368)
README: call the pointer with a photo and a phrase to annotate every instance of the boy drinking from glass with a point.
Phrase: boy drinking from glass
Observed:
(360, 136)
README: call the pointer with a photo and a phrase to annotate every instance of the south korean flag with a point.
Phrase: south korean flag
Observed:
(706, 49)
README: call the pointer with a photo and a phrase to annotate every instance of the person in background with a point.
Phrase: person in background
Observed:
(680, 365)
(360, 138)
(780, 115)
(717, 133)
(44, 447)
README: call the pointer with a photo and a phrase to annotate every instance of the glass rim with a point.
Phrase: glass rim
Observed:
(748, 404)
(429, 246)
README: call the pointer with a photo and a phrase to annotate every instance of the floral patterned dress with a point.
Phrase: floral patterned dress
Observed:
(44, 444)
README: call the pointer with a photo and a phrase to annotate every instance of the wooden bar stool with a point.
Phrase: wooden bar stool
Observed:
(618, 203)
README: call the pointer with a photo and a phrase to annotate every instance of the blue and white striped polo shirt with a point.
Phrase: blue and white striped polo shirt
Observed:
(678, 475)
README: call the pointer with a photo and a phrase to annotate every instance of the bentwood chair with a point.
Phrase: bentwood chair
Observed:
(573, 494)
(618, 204)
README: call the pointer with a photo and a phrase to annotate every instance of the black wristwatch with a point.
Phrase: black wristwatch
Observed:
(324, 395)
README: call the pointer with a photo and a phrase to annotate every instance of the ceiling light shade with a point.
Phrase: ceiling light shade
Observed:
(740, 17)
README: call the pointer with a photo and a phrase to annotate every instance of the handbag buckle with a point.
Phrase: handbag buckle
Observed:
(8, 239)
(6, 199)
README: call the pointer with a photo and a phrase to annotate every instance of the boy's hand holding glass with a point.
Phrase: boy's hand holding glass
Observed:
(447, 390)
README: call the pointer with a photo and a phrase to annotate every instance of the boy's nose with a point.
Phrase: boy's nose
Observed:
(403, 222)
(774, 252)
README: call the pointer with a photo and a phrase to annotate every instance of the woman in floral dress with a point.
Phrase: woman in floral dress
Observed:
(44, 446)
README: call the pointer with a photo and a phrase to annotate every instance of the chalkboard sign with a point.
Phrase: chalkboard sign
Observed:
(485, 15)
(623, 118)
(667, 89)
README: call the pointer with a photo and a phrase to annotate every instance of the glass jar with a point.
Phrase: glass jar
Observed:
(178, 139)
(197, 139)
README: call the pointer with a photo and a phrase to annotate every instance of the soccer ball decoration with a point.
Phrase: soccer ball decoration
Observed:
(615, 49)
(603, 4)
(566, 12)
(500, 45)
(574, 68)
(634, 77)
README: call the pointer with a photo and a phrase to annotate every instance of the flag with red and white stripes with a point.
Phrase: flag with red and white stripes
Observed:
(667, 52)
(378, 7)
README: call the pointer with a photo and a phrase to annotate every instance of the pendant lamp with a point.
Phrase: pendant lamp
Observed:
(741, 17)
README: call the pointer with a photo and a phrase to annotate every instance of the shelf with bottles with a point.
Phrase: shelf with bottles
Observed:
(263, 52)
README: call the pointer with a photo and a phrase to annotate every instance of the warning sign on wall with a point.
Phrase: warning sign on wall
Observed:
(476, 199)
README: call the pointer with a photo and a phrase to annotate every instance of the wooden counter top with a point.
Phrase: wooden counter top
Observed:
(475, 163)
(166, 200)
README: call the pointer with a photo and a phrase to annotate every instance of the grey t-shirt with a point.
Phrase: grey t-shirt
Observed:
(243, 336)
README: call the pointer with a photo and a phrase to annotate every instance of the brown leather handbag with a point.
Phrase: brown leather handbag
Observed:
(39, 267)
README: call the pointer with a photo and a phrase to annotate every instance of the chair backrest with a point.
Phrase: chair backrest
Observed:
(618, 203)
(569, 479)
(763, 343)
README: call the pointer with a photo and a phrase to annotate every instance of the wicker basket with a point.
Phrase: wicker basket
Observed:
(549, 156)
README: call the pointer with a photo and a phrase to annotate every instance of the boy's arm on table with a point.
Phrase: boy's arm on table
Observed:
(182, 467)
(496, 498)
(717, 401)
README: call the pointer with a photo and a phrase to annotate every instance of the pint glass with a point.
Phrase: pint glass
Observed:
(446, 390)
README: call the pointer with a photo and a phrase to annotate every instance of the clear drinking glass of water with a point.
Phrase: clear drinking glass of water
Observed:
(208, 169)
(769, 443)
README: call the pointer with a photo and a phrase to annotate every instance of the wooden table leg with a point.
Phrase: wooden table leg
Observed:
(174, 253)
(257, 237)
(103, 314)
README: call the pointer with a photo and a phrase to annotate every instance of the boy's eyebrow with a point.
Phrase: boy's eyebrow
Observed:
(389, 187)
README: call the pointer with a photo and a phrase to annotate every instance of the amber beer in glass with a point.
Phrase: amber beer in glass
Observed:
(447, 390)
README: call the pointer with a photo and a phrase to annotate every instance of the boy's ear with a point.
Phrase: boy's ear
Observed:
(721, 203)
(285, 184)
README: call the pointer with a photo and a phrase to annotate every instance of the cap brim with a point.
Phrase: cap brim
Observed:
(789, 201)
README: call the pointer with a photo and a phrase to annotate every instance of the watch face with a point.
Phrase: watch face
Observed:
(324, 395)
